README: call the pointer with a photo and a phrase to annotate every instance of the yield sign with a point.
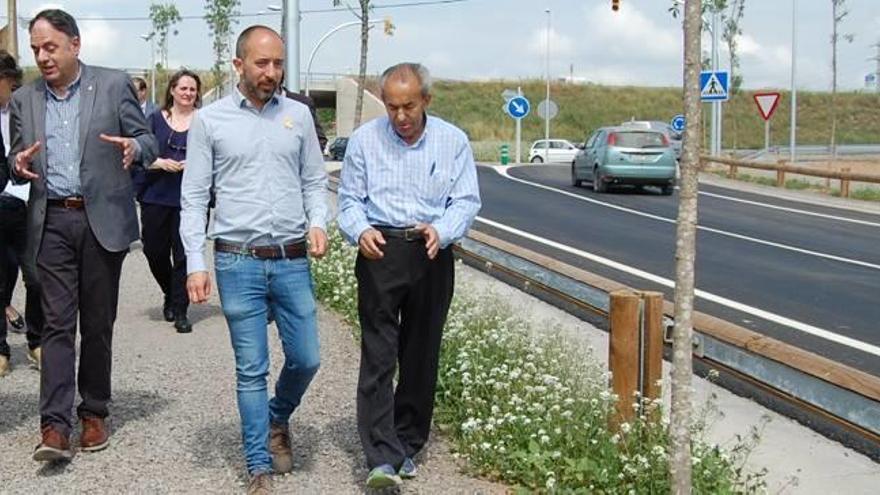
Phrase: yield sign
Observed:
(767, 103)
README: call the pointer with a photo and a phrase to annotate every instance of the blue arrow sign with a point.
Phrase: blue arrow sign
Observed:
(518, 107)
(677, 123)
(713, 85)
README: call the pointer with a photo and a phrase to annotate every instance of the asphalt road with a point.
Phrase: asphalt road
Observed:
(805, 274)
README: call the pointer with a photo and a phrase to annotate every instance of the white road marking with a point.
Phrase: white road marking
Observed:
(791, 210)
(504, 172)
(760, 313)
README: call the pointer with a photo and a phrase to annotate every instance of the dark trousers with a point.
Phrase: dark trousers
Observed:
(403, 300)
(78, 278)
(13, 236)
(160, 232)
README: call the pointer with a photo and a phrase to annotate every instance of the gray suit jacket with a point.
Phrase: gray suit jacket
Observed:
(108, 105)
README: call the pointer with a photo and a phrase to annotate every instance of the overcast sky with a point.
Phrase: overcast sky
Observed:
(477, 39)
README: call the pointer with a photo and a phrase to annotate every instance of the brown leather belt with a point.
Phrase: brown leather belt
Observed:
(70, 202)
(408, 234)
(293, 250)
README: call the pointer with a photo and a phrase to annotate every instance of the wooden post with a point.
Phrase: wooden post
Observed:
(733, 172)
(635, 350)
(780, 178)
(653, 344)
(844, 184)
(623, 356)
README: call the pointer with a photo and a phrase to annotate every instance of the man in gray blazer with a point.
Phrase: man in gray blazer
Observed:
(75, 132)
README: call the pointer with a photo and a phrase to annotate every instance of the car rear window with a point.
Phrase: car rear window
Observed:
(639, 140)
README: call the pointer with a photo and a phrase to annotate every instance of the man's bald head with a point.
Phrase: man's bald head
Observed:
(255, 31)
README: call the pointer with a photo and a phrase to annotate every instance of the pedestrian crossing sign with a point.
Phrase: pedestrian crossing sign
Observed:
(713, 86)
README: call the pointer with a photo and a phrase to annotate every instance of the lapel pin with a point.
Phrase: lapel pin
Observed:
(288, 122)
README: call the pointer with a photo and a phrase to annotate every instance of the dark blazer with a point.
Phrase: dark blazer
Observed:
(108, 105)
(305, 100)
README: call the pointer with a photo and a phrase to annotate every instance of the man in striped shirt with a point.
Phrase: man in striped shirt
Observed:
(409, 190)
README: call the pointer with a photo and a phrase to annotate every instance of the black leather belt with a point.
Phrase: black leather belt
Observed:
(408, 234)
(70, 202)
(292, 250)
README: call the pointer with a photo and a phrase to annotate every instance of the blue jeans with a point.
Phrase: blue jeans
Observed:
(248, 288)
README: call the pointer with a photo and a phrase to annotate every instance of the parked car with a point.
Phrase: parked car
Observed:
(336, 149)
(674, 136)
(560, 151)
(625, 155)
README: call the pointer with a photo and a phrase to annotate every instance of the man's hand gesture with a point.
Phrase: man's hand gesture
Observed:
(23, 161)
(126, 145)
(432, 239)
(317, 242)
(198, 287)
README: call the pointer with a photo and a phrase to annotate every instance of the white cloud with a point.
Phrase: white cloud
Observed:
(100, 43)
(629, 32)
(560, 45)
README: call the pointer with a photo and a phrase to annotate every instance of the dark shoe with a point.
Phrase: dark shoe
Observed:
(260, 484)
(15, 319)
(168, 311)
(183, 325)
(279, 447)
(94, 436)
(53, 447)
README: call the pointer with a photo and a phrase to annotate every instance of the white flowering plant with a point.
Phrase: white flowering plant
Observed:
(534, 411)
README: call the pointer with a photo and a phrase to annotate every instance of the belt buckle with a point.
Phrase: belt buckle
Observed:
(410, 235)
(71, 202)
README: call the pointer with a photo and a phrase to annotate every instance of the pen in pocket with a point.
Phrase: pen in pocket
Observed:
(433, 167)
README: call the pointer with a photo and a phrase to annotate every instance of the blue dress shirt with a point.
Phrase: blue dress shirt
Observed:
(267, 172)
(386, 181)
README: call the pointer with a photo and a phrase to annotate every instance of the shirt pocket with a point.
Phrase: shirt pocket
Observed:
(438, 183)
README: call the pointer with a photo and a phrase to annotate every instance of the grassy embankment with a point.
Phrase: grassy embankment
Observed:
(476, 107)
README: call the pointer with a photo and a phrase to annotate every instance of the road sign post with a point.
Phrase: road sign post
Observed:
(714, 88)
(677, 123)
(767, 103)
(517, 107)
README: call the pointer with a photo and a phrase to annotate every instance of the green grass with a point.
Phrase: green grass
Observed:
(476, 107)
(862, 193)
(533, 411)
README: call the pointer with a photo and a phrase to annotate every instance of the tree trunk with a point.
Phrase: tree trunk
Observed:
(362, 74)
(835, 20)
(685, 253)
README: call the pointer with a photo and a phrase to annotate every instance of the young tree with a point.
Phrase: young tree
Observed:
(731, 18)
(163, 17)
(363, 14)
(685, 253)
(838, 12)
(221, 18)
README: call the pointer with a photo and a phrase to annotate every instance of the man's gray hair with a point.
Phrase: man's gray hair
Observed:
(408, 68)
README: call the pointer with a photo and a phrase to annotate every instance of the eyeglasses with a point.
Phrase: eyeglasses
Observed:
(174, 146)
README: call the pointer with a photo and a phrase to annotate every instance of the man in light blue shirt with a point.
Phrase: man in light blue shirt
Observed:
(259, 152)
(409, 190)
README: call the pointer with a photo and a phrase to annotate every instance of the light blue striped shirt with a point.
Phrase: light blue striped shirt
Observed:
(267, 172)
(62, 142)
(386, 181)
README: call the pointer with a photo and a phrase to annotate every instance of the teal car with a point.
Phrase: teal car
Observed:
(625, 156)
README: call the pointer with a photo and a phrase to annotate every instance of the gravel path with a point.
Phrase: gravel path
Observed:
(175, 426)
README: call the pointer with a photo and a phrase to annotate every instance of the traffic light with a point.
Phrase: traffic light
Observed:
(388, 27)
(615, 5)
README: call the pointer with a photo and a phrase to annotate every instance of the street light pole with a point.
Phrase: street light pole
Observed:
(547, 97)
(793, 136)
(321, 42)
(290, 16)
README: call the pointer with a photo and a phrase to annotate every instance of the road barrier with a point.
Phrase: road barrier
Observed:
(845, 176)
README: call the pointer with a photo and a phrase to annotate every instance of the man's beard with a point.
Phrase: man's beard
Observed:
(256, 92)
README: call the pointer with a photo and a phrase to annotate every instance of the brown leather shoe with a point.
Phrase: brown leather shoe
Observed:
(260, 484)
(279, 447)
(53, 447)
(94, 435)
